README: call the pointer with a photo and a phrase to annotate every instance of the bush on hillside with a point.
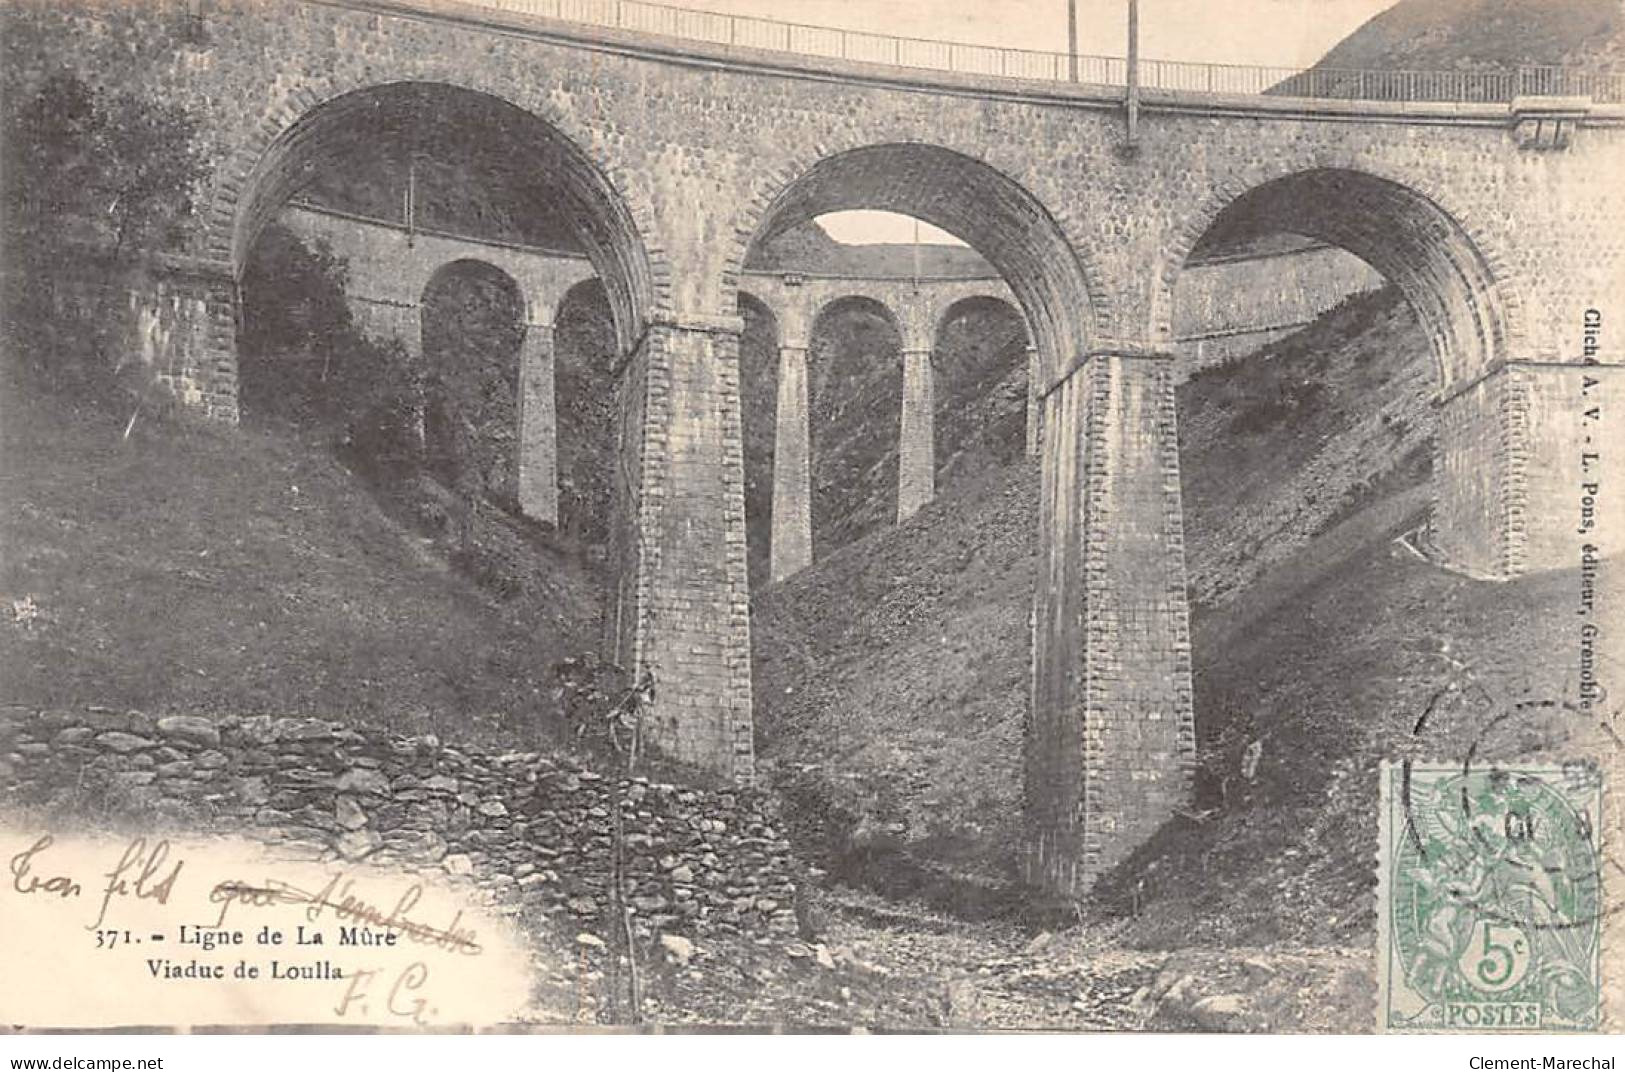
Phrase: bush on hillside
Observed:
(83, 166)
(304, 361)
(94, 183)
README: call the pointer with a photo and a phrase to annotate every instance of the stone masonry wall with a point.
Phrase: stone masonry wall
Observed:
(1471, 529)
(533, 829)
(175, 326)
(1225, 309)
(687, 625)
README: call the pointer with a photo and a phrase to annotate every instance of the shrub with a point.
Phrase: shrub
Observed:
(304, 361)
(94, 185)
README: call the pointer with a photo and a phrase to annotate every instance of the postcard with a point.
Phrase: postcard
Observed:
(567, 516)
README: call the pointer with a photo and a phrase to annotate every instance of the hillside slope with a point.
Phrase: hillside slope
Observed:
(1275, 446)
(1478, 34)
(246, 572)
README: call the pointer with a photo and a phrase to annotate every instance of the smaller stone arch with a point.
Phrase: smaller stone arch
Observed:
(763, 304)
(777, 451)
(474, 264)
(842, 294)
(472, 372)
(854, 360)
(948, 299)
(585, 358)
(950, 305)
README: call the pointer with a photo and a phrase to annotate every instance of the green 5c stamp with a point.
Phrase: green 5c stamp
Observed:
(1489, 899)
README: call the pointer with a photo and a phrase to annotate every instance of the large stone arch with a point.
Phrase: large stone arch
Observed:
(1465, 295)
(1041, 252)
(1450, 269)
(312, 125)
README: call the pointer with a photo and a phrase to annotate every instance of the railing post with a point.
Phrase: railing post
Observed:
(1132, 89)
(1072, 38)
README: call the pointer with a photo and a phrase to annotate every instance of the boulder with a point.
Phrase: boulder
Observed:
(678, 950)
(349, 813)
(123, 743)
(189, 729)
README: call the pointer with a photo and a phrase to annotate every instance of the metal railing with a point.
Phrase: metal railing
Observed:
(710, 27)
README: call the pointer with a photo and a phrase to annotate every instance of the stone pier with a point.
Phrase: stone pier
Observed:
(537, 456)
(1113, 741)
(916, 441)
(790, 546)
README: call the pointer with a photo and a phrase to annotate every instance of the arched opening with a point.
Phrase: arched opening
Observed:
(585, 348)
(473, 322)
(982, 386)
(432, 157)
(1411, 240)
(855, 390)
(383, 147)
(975, 203)
(409, 167)
(1312, 467)
(758, 389)
(874, 731)
(1327, 410)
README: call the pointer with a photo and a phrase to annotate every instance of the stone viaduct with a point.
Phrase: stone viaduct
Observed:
(1498, 221)
(1223, 307)
(389, 275)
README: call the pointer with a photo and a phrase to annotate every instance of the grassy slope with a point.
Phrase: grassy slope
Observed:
(1329, 663)
(1273, 447)
(892, 678)
(245, 572)
(1457, 34)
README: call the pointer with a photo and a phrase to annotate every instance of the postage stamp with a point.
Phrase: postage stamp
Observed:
(1489, 899)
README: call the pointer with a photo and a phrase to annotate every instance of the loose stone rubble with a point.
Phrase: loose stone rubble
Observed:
(533, 830)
